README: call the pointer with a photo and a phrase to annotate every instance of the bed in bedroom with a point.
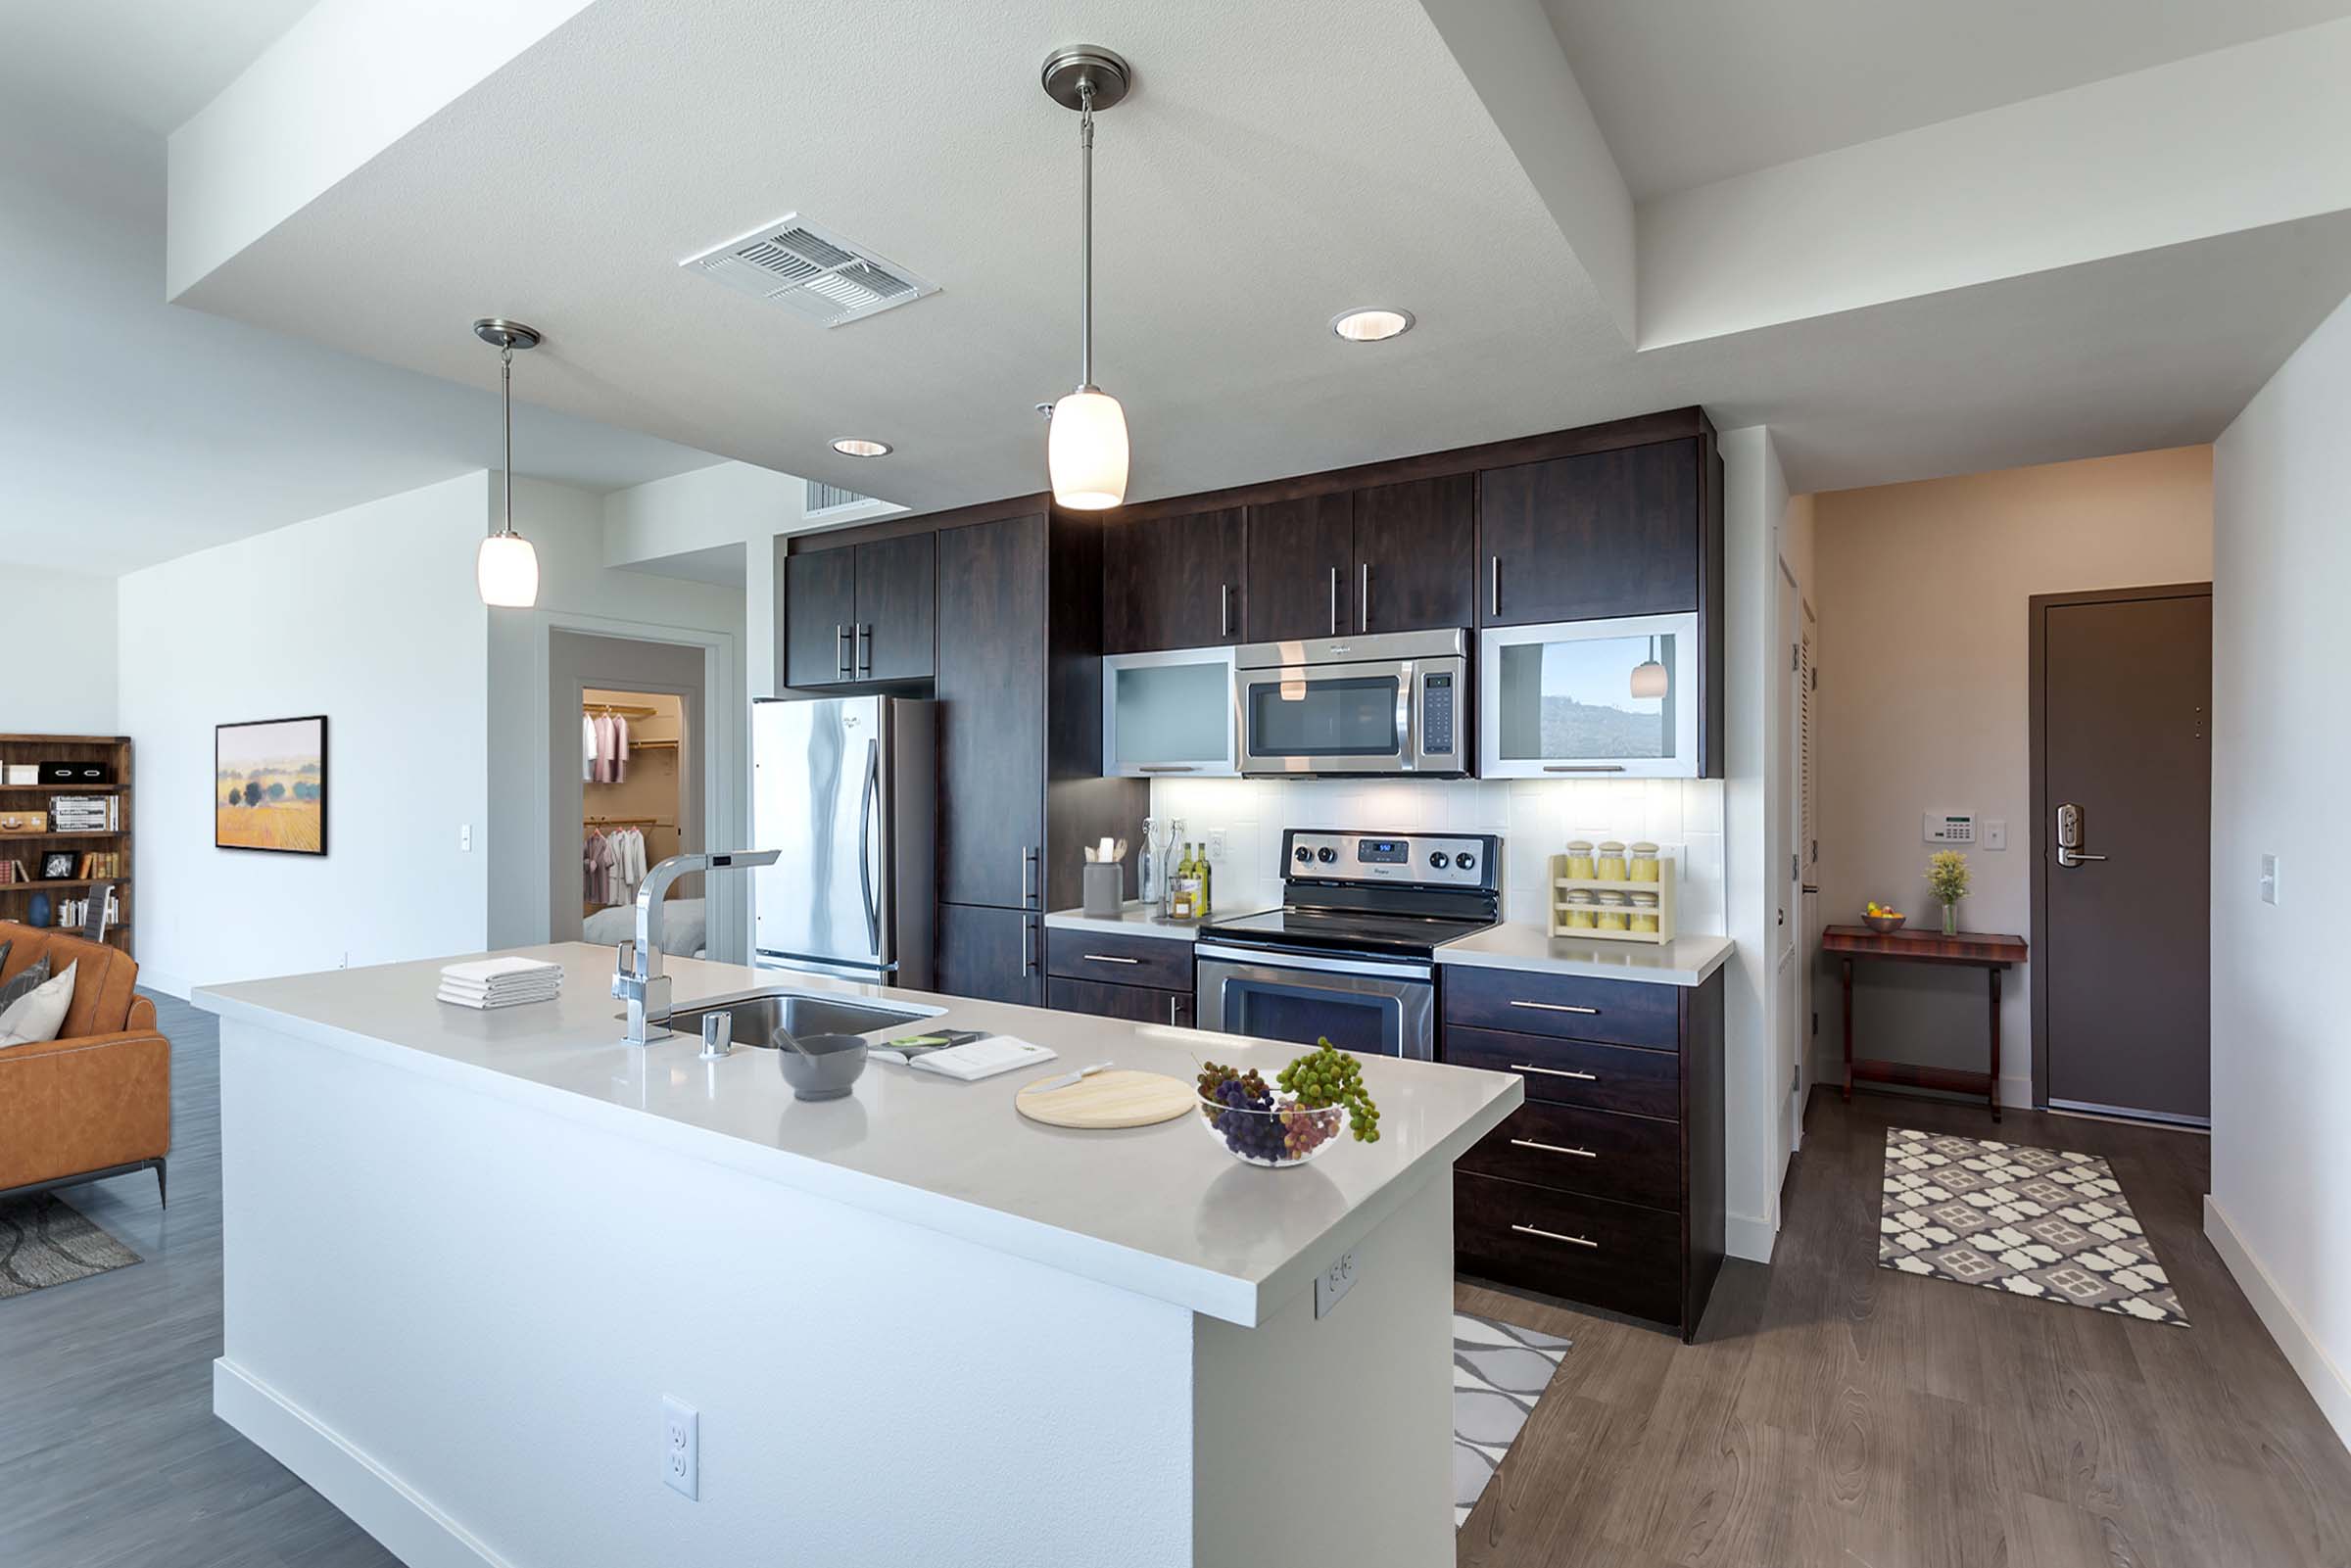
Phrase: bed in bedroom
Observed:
(683, 927)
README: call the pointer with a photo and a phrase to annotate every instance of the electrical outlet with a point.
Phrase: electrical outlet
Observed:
(466, 836)
(681, 1446)
(2268, 878)
(1333, 1283)
(1996, 833)
(343, 962)
(1216, 845)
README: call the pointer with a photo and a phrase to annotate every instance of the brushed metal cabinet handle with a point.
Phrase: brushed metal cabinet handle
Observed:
(1363, 596)
(1224, 609)
(1583, 767)
(1555, 1072)
(842, 645)
(1553, 1148)
(1171, 1012)
(1559, 1007)
(1027, 950)
(1494, 586)
(1107, 958)
(1553, 1235)
(1334, 602)
(1168, 767)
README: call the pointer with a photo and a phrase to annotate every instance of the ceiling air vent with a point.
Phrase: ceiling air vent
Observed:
(824, 497)
(810, 271)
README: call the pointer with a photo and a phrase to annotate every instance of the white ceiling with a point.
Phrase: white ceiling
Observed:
(1692, 91)
(132, 430)
(722, 565)
(1239, 205)
(152, 63)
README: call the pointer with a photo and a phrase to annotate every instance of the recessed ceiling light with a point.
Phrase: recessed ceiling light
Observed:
(852, 447)
(1372, 325)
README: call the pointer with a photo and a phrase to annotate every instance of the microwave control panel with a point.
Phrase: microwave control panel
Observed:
(1436, 715)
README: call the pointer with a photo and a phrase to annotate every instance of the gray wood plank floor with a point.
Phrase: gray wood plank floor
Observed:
(1832, 1415)
(1835, 1414)
(109, 1453)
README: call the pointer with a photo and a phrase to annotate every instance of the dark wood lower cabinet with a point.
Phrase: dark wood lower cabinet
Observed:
(996, 955)
(1139, 1004)
(1605, 1186)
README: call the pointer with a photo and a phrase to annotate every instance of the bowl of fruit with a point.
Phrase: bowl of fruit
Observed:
(1877, 918)
(1294, 1119)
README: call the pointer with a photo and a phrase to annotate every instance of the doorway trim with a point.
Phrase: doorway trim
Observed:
(2038, 609)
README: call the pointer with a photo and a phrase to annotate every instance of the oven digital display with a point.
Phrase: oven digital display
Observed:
(1384, 851)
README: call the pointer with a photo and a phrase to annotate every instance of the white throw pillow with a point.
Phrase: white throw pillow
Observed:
(39, 1012)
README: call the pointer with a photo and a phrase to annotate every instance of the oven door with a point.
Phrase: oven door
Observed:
(1371, 1007)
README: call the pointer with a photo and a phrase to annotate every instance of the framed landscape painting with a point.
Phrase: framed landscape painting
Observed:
(269, 785)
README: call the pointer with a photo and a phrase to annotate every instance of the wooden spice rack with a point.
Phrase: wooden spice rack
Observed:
(1561, 884)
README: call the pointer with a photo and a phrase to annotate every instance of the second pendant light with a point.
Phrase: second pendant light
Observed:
(1087, 448)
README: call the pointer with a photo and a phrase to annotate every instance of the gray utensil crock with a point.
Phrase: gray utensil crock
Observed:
(1105, 887)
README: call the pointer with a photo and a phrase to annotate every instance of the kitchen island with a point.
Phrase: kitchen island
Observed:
(468, 1256)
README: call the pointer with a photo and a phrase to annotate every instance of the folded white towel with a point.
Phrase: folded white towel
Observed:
(487, 1003)
(489, 971)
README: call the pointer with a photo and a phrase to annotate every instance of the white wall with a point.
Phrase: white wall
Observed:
(1924, 702)
(62, 626)
(2281, 1040)
(370, 617)
(578, 592)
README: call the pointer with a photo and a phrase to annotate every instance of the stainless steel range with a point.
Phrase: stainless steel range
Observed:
(1350, 956)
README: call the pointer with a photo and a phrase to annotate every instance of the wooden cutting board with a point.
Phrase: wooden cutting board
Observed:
(1117, 1097)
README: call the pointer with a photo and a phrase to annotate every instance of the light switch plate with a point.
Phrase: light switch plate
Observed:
(1996, 833)
(1333, 1283)
(2268, 878)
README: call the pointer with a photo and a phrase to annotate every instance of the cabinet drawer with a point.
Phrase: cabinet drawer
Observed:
(1133, 1002)
(1153, 961)
(1608, 1255)
(1621, 1012)
(1576, 1073)
(1600, 1153)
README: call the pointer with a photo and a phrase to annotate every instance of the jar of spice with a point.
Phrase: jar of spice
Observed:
(1645, 911)
(1612, 915)
(1609, 866)
(1641, 866)
(1578, 906)
(1579, 858)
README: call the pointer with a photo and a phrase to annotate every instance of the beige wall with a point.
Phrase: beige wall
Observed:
(1921, 592)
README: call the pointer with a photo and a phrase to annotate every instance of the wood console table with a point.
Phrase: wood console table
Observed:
(1989, 951)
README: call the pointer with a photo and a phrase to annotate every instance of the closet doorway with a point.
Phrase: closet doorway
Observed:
(628, 743)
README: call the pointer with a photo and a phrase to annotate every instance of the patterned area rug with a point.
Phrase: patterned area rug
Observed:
(45, 1241)
(1498, 1372)
(2029, 1222)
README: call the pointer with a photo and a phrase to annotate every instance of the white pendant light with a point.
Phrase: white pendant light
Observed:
(1087, 448)
(506, 569)
(1650, 679)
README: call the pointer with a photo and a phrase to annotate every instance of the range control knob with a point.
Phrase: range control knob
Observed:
(1466, 861)
(1301, 855)
(1327, 854)
(1437, 857)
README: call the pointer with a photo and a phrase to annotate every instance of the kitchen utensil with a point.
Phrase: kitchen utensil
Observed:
(819, 1067)
(1885, 925)
(1115, 1097)
(1287, 1135)
(1109, 849)
(1067, 1078)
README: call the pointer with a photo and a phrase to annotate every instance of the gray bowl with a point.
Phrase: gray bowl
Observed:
(838, 1061)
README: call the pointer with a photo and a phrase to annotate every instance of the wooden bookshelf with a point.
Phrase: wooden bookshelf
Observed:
(114, 752)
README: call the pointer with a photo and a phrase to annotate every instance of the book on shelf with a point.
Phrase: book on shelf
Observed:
(86, 814)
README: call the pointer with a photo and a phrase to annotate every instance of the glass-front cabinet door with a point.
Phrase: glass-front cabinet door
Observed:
(1608, 699)
(1170, 714)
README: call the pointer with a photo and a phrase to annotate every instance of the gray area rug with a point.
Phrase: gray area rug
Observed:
(2040, 1222)
(46, 1241)
(1498, 1372)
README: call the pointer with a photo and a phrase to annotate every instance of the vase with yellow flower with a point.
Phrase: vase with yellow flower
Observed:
(1947, 879)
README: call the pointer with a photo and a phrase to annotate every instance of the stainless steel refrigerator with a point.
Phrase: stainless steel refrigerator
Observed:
(845, 789)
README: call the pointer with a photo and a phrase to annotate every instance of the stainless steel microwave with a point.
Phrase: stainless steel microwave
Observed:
(1390, 702)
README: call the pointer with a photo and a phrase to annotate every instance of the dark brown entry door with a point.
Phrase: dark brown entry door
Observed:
(2122, 940)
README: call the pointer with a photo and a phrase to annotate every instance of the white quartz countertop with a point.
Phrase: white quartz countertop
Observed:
(1517, 945)
(1132, 920)
(1162, 1212)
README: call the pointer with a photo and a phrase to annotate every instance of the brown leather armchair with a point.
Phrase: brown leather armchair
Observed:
(96, 1101)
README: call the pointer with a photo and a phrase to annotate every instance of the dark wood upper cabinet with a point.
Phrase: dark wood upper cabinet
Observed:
(1301, 568)
(1416, 556)
(820, 617)
(992, 586)
(858, 613)
(1595, 535)
(893, 609)
(1173, 581)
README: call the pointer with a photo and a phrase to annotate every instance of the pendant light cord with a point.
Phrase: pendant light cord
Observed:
(1085, 247)
(506, 398)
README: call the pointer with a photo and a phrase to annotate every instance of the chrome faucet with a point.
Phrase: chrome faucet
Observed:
(636, 976)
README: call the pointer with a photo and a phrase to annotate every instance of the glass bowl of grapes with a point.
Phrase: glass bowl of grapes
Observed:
(1295, 1118)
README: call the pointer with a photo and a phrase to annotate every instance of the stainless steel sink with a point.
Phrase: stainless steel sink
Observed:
(758, 1016)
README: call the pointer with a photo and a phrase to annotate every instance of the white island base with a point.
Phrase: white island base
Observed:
(457, 1312)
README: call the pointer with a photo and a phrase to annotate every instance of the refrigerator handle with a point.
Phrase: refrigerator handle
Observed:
(865, 841)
